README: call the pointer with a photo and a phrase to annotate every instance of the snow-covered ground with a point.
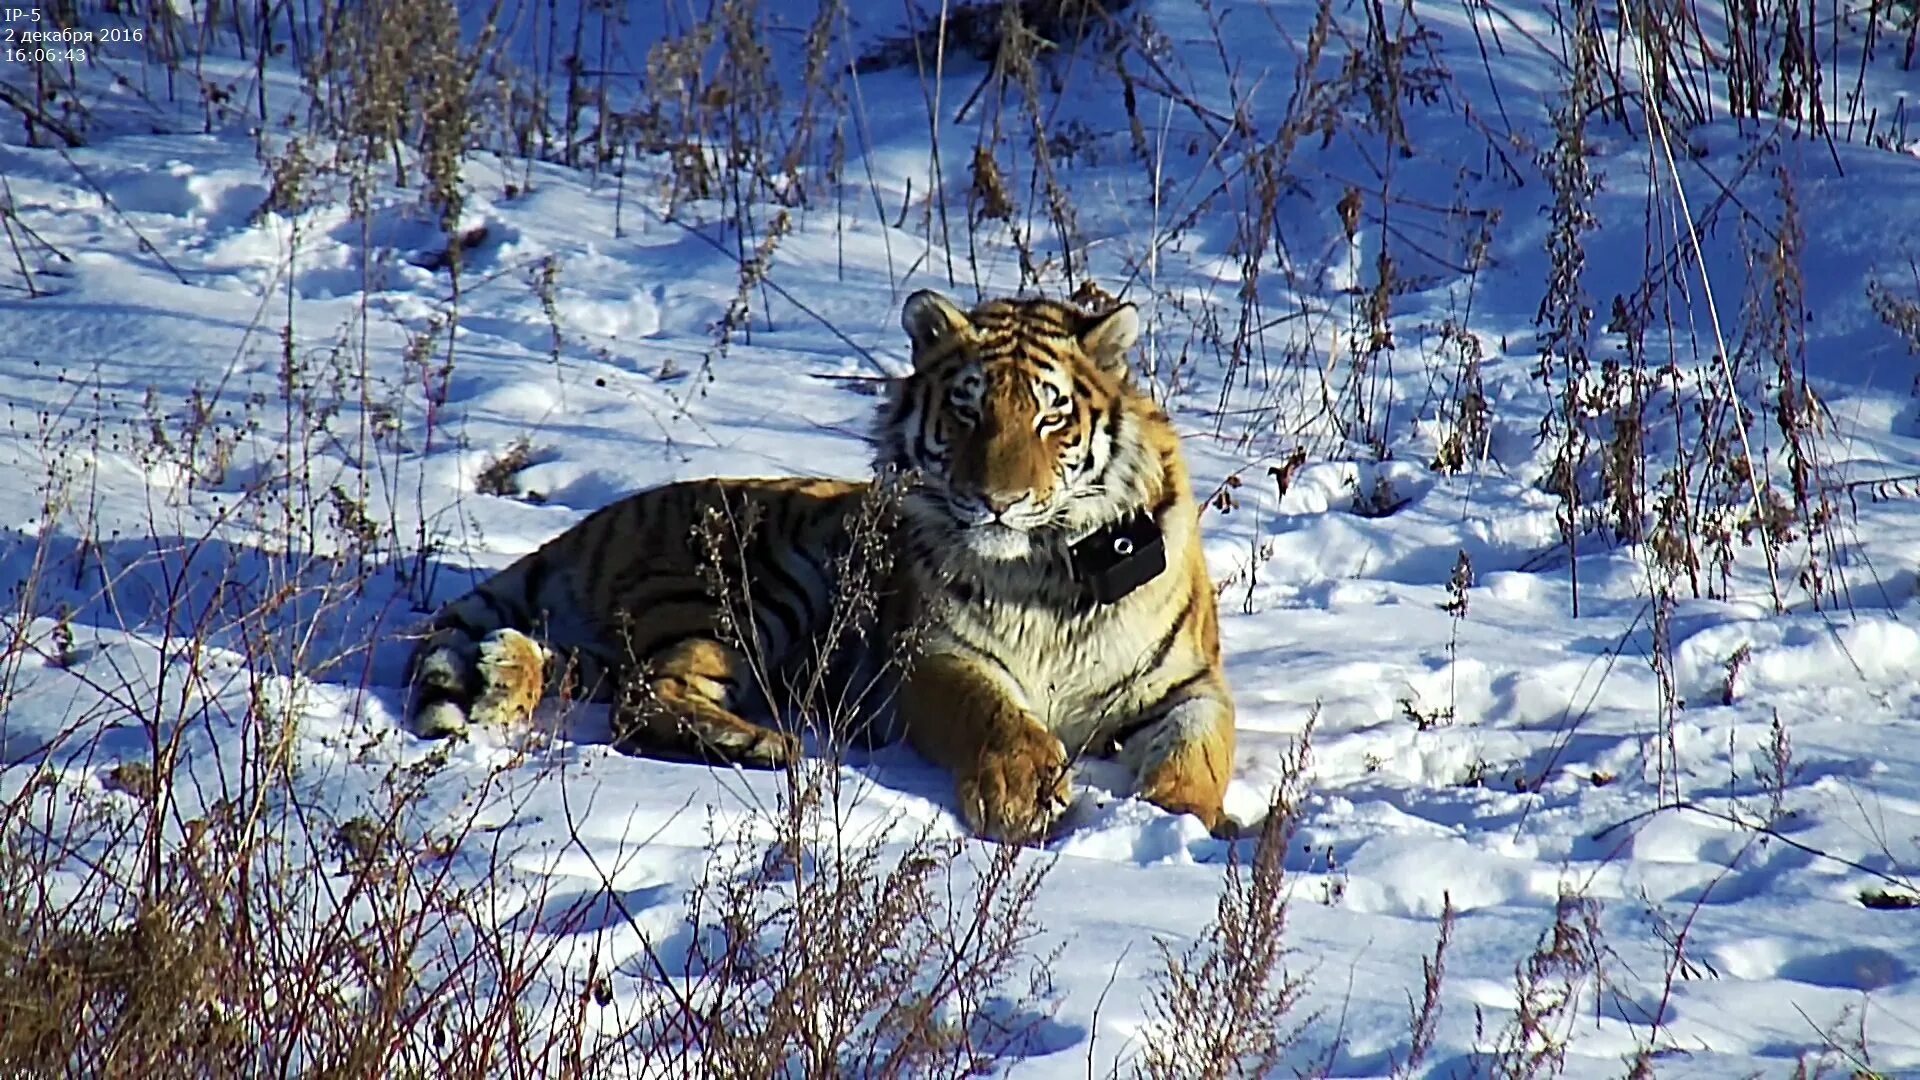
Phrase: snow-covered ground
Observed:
(1502, 758)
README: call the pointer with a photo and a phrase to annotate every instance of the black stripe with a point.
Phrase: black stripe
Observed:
(623, 583)
(451, 619)
(1074, 602)
(677, 593)
(1043, 314)
(1081, 440)
(792, 623)
(1113, 445)
(1164, 503)
(449, 682)
(534, 582)
(1125, 732)
(978, 650)
(682, 502)
(570, 658)
(498, 607)
(1159, 710)
(766, 562)
(596, 568)
(920, 549)
(789, 598)
(1184, 685)
(827, 579)
(1165, 645)
(426, 695)
(1154, 659)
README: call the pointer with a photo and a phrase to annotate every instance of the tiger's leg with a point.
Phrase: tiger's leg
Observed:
(680, 705)
(457, 681)
(1182, 761)
(1011, 774)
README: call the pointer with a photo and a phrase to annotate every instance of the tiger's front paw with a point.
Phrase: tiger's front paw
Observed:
(1019, 786)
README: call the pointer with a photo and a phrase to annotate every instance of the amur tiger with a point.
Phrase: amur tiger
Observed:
(1044, 565)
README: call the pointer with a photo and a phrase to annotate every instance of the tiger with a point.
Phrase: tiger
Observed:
(1045, 577)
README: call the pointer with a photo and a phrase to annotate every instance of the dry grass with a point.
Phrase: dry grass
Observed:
(500, 476)
(1221, 1006)
(207, 915)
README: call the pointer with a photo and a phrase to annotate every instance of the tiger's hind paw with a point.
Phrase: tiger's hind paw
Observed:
(739, 742)
(666, 723)
(440, 685)
(439, 720)
(512, 669)
(760, 749)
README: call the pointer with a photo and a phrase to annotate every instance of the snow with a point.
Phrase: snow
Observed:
(1492, 761)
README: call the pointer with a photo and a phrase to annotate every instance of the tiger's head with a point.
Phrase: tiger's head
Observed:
(1020, 425)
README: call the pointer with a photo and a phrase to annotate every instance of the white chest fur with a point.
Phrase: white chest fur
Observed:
(1080, 673)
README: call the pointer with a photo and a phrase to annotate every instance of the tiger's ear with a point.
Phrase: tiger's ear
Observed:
(930, 318)
(1106, 338)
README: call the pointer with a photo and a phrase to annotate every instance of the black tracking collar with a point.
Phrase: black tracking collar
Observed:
(1116, 559)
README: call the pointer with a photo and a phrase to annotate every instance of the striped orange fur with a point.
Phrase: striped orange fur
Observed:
(1022, 438)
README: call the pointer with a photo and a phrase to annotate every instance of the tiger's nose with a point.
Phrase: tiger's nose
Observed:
(999, 502)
